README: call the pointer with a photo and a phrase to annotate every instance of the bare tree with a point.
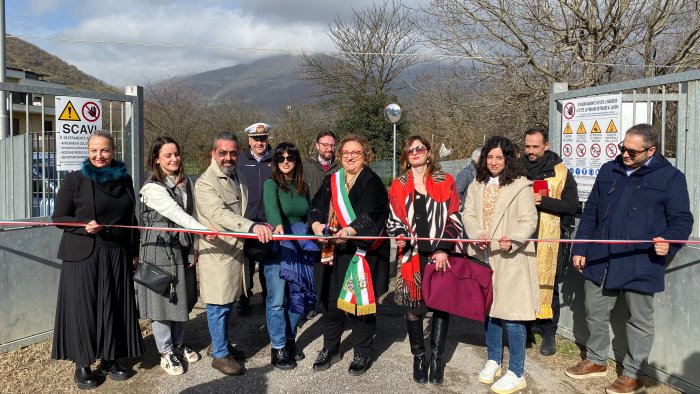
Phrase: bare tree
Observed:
(508, 52)
(582, 42)
(181, 112)
(301, 123)
(374, 48)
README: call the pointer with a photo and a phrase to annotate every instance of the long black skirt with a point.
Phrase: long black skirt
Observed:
(96, 314)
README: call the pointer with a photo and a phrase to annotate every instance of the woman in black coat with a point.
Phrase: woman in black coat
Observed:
(351, 202)
(96, 315)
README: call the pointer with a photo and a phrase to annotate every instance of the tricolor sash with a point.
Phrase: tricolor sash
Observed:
(357, 292)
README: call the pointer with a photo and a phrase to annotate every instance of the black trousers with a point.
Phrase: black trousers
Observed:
(334, 320)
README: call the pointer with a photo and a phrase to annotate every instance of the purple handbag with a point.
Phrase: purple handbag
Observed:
(464, 290)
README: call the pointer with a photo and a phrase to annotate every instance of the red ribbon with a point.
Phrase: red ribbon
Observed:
(284, 237)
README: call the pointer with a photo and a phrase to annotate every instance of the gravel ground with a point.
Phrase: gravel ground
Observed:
(30, 370)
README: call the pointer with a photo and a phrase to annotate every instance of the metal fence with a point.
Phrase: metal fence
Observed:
(29, 181)
(671, 103)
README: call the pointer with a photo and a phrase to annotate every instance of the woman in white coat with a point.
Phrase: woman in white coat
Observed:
(500, 206)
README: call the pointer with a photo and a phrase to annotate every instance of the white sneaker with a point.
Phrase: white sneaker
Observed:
(170, 363)
(188, 354)
(490, 371)
(509, 383)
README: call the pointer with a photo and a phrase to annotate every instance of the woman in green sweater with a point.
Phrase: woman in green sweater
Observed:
(286, 202)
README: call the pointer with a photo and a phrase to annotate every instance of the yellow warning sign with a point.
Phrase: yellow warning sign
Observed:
(567, 129)
(69, 113)
(581, 129)
(596, 127)
(611, 127)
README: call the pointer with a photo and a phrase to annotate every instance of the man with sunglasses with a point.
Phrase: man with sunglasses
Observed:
(256, 167)
(637, 196)
(556, 198)
(316, 168)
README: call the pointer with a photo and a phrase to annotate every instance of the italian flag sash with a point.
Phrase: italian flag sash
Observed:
(357, 292)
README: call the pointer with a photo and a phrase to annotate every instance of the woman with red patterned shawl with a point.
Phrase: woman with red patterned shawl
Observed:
(425, 204)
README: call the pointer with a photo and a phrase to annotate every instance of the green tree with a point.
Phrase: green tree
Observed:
(366, 117)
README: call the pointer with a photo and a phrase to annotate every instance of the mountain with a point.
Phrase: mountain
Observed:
(26, 56)
(268, 83)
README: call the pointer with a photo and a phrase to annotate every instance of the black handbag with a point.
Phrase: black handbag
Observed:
(152, 277)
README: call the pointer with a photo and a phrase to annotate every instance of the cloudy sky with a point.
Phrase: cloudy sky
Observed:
(203, 34)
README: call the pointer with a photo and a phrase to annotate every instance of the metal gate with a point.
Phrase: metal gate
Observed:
(673, 104)
(29, 181)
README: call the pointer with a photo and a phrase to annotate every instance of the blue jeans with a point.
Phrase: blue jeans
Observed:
(281, 322)
(217, 318)
(167, 334)
(516, 343)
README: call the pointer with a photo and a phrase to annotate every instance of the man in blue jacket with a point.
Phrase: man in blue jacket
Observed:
(637, 196)
(256, 166)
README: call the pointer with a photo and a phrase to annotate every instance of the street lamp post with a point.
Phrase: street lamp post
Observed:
(392, 113)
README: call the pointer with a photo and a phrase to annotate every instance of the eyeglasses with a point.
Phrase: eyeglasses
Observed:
(223, 153)
(281, 159)
(261, 138)
(354, 154)
(418, 150)
(326, 146)
(633, 153)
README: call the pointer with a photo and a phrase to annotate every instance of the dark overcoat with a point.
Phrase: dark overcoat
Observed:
(651, 202)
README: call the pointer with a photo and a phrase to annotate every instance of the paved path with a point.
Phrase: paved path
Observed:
(390, 371)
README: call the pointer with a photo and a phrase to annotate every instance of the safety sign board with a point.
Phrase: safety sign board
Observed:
(69, 113)
(587, 116)
(567, 129)
(76, 119)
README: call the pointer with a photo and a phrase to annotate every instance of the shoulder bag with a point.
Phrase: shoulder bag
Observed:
(464, 290)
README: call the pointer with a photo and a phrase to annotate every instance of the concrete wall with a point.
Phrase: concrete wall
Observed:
(675, 356)
(29, 275)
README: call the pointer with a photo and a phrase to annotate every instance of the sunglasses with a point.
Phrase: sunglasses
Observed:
(633, 153)
(282, 159)
(262, 138)
(418, 150)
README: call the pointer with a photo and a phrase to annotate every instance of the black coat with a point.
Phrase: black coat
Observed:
(75, 203)
(370, 201)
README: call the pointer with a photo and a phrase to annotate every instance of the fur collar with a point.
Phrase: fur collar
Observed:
(115, 172)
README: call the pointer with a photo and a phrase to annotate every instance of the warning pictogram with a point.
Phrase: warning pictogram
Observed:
(567, 129)
(91, 111)
(567, 150)
(581, 150)
(595, 150)
(581, 129)
(611, 127)
(611, 150)
(69, 113)
(569, 110)
(596, 127)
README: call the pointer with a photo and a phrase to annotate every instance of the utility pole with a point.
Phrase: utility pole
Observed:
(4, 122)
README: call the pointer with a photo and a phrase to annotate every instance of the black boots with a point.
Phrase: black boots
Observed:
(114, 370)
(281, 360)
(85, 379)
(549, 345)
(415, 339)
(437, 348)
(293, 352)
